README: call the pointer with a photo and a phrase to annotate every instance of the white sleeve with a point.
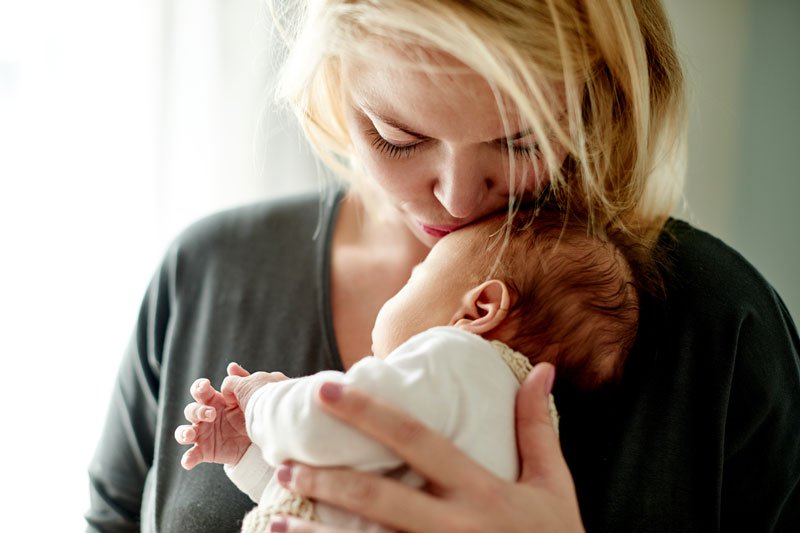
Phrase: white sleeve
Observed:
(425, 377)
(251, 474)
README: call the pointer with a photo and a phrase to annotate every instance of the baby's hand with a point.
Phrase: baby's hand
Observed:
(238, 388)
(218, 433)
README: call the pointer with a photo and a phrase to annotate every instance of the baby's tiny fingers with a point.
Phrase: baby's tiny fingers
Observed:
(185, 434)
(228, 386)
(196, 413)
(235, 369)
(202, 391)
(191, 458)
(229, 383)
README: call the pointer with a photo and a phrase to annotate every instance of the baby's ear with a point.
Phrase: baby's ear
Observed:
(483, 308)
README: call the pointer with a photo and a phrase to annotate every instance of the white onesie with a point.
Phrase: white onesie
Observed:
(457, 383)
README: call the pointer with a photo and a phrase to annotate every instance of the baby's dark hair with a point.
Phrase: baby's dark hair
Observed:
(574, 302)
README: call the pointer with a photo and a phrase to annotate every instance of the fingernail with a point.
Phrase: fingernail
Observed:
(550, 380)
(208, 412)
(279, 525)
(330, 392)
(284, 474)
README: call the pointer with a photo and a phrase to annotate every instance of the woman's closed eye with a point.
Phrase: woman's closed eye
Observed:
(397, 141)
(398, 150)
(521, 144)
(391, 149)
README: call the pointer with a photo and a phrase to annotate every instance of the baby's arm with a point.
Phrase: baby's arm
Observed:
(218, 433)
(426, 380)
(292, 403)
(251, 474)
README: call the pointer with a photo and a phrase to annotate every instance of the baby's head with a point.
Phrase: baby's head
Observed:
(548, 290)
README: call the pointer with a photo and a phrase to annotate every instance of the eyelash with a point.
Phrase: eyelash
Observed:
(388, 149)
(532, 151)
(394, 151)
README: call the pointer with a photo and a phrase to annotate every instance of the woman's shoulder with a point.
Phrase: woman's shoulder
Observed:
(695, 252)
(289, 225)
(254, 241)
(270, 219)
(704, 272)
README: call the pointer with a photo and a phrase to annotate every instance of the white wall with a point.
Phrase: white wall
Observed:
(79, 226)
(742, 59)
(120, 123)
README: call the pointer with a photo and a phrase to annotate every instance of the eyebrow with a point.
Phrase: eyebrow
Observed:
(392, 122)
(519, 135)
(409, 131)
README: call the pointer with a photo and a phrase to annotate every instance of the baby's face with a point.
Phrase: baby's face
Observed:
(431, 297)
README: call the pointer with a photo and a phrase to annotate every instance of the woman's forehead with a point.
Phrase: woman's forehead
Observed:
(420, 100)
(371, 76)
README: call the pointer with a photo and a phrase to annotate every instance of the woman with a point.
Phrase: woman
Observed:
(437, 113)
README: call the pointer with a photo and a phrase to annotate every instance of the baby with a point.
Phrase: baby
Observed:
(448, 348)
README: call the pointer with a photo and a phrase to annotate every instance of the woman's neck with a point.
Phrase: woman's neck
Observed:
(371, 259)
(382, 230)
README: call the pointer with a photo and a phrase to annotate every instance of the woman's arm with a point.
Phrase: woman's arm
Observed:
(761, 475)
(462, 495)
(124, 454)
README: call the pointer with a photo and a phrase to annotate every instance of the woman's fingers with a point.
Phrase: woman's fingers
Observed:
(373, 497)
(430, 454)
(537, 441)
(196, 413)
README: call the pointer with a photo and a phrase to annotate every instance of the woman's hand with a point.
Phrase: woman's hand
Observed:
(461, 495)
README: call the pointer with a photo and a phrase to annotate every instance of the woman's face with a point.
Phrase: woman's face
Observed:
(437, 146)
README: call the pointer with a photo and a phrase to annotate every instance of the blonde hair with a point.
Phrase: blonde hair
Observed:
(612, 62)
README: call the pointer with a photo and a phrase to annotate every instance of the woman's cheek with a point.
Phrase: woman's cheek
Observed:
(531, 176)
(397, 177)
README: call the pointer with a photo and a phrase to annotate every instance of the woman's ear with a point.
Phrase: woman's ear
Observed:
(484, 307)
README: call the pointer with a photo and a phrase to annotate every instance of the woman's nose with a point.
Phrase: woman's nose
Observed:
(463, 185)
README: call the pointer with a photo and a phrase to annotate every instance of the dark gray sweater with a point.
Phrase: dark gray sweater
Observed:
(702, 434)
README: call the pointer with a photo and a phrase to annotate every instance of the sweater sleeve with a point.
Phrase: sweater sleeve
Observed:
(124, 455)
(761, 477)
(425, 378)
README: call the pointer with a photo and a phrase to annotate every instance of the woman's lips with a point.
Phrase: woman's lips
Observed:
(438, 231)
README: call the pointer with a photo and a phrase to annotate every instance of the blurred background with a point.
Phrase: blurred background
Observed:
(122, 122)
